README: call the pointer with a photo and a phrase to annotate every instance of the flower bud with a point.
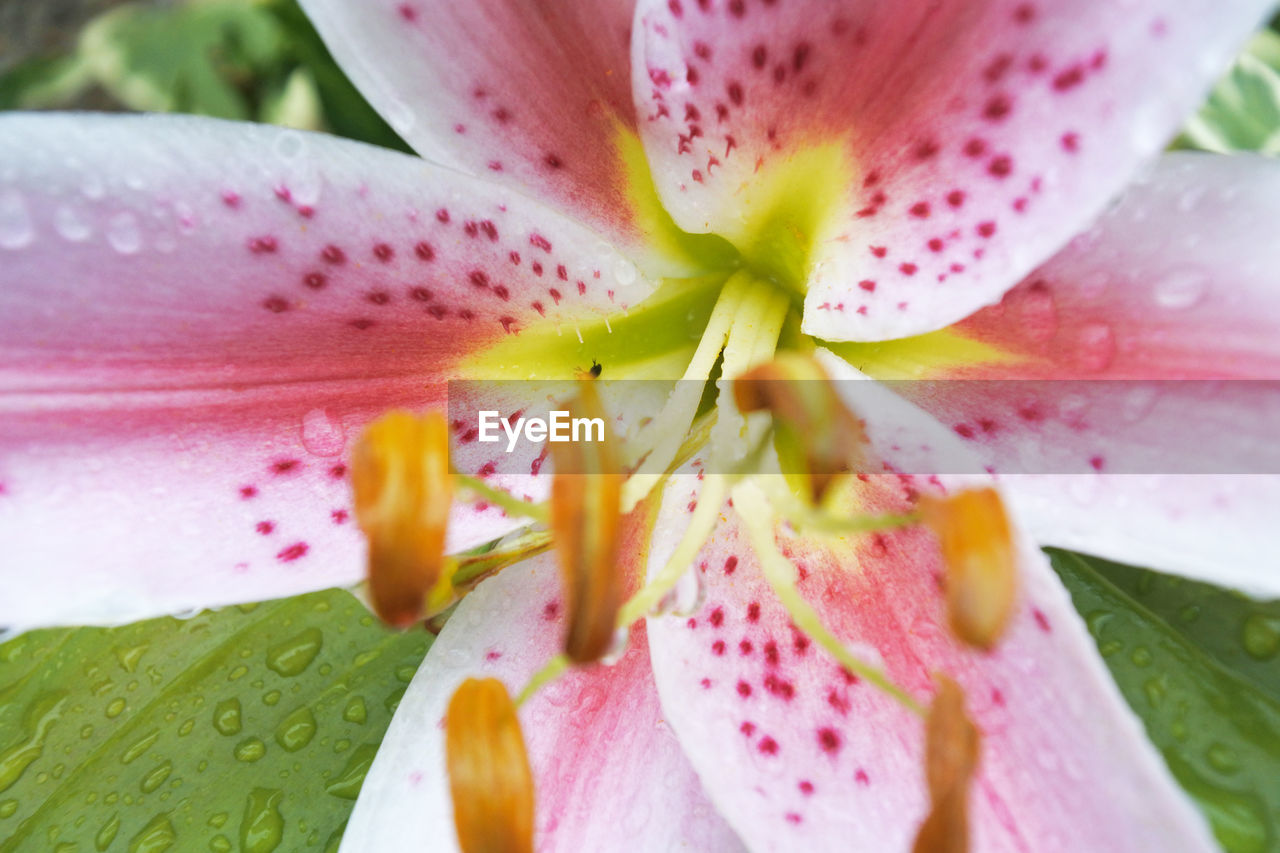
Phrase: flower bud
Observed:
(402, 491)
(815, 434)
(951, 757)
(586, 511)
(489, 775)
(979, 558)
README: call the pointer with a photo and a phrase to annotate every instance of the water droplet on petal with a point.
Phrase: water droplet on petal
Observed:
(123, 233)
(16, 229)
(322, 434)
(1180, 289)
(624, 272)
(72, 223)
(1095, 346)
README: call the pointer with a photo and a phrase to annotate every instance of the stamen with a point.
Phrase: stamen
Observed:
(512, 505)
(951, 756)
(816, 436)
(585, 518)
(402, 490)
(981, 569)
(757, 518)
(489, 774)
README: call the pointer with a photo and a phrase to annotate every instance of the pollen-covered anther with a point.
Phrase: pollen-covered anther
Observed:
(489, 775)
(586, 512)
(402, 491)
(815, 435)
(951, 757)
(979, 557)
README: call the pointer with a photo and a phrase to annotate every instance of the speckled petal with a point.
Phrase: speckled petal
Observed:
(959, 143)
(799, 754)
(196, 318)
(609, 774)
(1176, 282)
(536, 96)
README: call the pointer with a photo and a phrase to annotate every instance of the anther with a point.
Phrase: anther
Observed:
(586, 513)
(489, 774)
(951, 757)
(402, 492)
(981, 567)
(815, 435)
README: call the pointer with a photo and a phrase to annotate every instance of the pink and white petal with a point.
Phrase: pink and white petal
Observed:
(196, 318)
(971, 139)
(608, 772)
(1174, 283)
(534, 97)
(799, 754)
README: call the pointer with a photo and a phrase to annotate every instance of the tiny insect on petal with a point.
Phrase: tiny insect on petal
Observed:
(586, 511)
(981, 569)
(951, 756)
(489, 774)
(817, 436)
(402, 491)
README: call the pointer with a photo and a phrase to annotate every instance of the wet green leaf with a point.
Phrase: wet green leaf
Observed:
(1243, 111)
(1202, 681)
(250, 728)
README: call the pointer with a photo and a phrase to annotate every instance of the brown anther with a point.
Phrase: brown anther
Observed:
(586, 511)
(981, 566)
(815, 434)
(951, 757)
(489, 775)
(402, 491)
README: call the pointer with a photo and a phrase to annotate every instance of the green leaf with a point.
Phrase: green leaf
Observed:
(1243, 111)
(195, 57)
(248, 728)
(1199, 666)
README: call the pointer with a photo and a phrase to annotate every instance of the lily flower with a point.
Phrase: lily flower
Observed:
(198, 318)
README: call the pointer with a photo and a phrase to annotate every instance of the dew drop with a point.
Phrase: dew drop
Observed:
(624, 272)
(139, 747)
(1095, 346)
(262, 828)
(107, 833)
(156, 777)
(289, 145)
(355, 711)
(16, 228)
(322, 434)
(1261, 636)
(220, 844)
(114, 707)
(157, 836)
(226, 717)
(1141, 656)
(296, 730)
(617, 648)
(72, 223)
(250, 750)
(1138, 403)
(123, 233)
(1180, 289)
(295, 654)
